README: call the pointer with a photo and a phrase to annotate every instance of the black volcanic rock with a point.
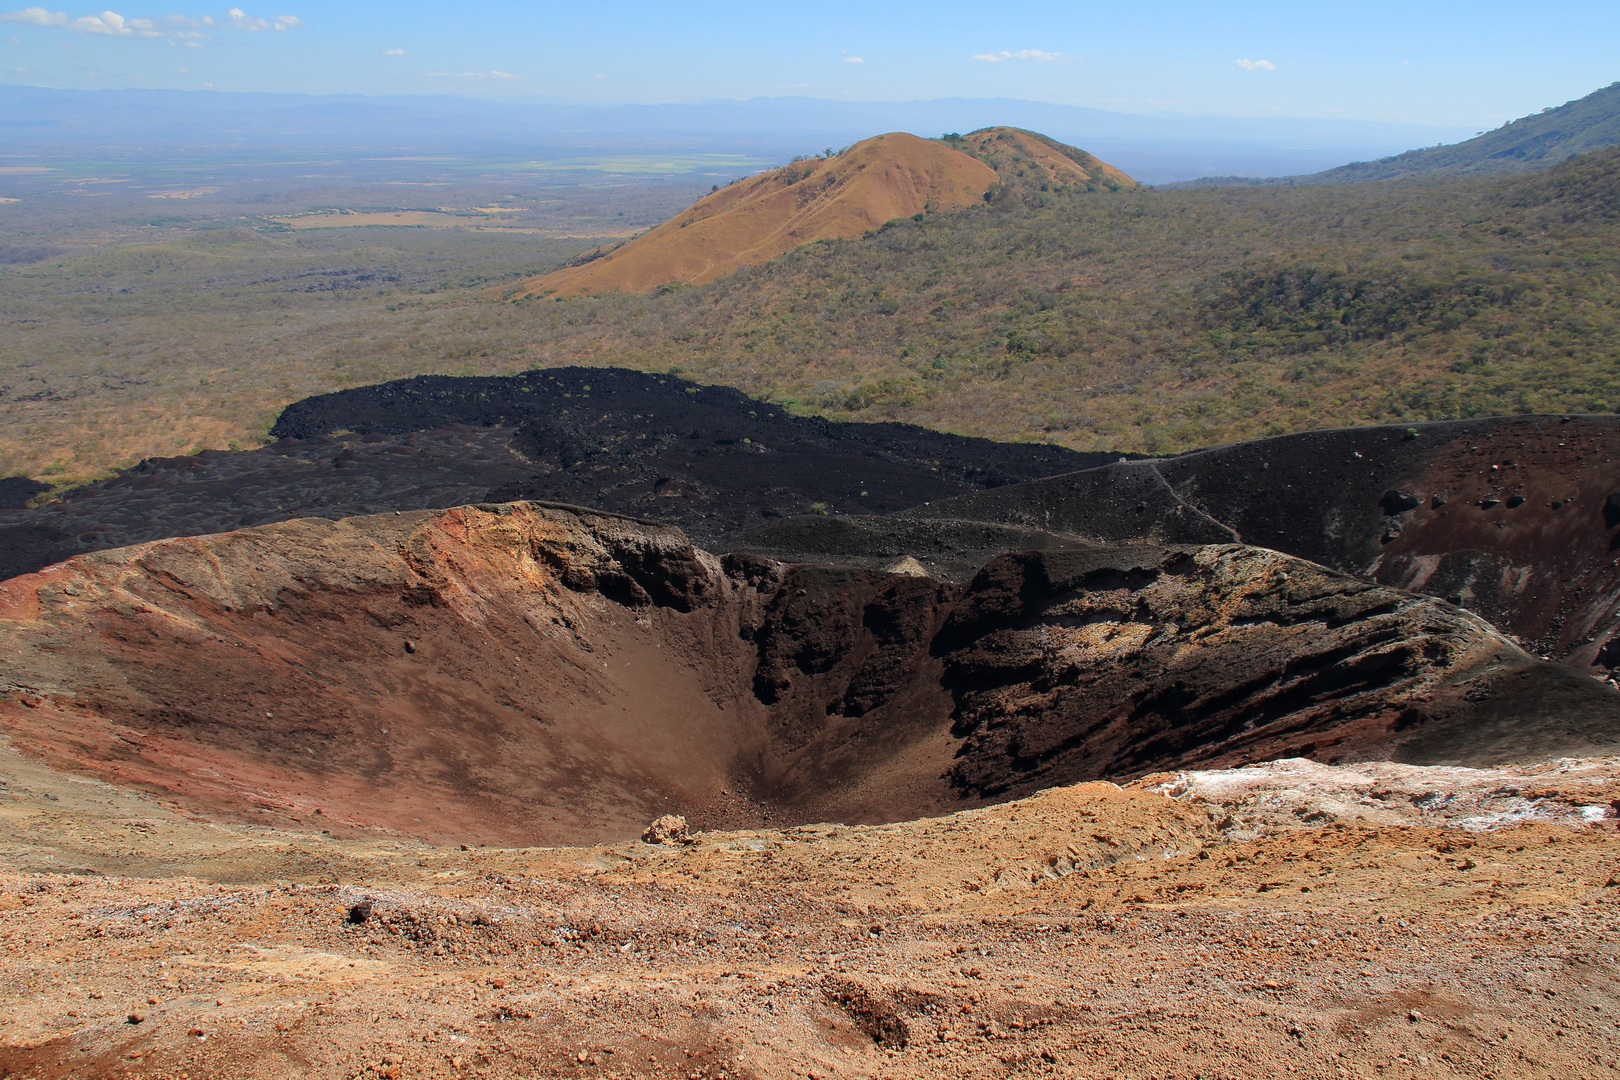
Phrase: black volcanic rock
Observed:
(15, 491)
(219, 490)
(1510, 517)
(708, 459)
(1395, 502)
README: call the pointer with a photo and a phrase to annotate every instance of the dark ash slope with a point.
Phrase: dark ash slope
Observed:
(1515, 518)
(708, 459)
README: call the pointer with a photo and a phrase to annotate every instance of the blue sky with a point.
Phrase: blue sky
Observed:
(1420, 62)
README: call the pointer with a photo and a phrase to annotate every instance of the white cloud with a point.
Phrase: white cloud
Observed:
(108, 23)
(853, 59)
(36, 15)
(393, 52)
(112, 24)
(1022, 54)
(240, 20)
(491, 74)
(1256, 65)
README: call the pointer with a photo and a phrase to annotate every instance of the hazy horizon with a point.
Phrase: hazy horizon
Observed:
(50, 124)
(1442, 64)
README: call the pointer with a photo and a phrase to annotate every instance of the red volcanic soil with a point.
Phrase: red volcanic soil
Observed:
(1522, 524)
(1083, 932)
(311, 671)
(757, 219)
(519, 673)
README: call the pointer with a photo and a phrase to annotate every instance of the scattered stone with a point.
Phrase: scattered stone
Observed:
(1398, 502)
(359, 913)
(669, 829)
(135, 1018)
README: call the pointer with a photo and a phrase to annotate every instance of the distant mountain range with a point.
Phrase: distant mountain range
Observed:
(1530, 142)
(36, 121)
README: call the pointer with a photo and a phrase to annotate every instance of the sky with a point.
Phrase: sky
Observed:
(1419, 61)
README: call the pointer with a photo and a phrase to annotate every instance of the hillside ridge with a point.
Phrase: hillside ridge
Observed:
(1537, 141)
(895, 175)
(866, 186)
(1028, 161)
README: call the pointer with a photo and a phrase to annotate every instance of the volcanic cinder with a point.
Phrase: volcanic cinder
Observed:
(707, 458)
(962, 775)
(532, 674)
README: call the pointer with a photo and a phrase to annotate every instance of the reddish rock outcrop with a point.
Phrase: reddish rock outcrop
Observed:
(530, 673)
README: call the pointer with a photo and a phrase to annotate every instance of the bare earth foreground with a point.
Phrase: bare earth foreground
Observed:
(1356, 920)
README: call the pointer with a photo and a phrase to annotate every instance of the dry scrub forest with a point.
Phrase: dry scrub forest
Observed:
(1148, 320)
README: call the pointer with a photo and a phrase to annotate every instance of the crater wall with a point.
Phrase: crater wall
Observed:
(526, 673)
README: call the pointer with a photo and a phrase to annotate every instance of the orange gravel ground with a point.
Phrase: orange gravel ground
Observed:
(1090, 931)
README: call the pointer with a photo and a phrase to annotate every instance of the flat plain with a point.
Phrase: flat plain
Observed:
(159, 307)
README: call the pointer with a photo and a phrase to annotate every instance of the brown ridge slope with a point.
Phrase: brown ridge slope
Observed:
(1032, 160)
(535, 674)
(753, 220)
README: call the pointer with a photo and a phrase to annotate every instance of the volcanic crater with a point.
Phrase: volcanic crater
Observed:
(541, 674)
(459, 656)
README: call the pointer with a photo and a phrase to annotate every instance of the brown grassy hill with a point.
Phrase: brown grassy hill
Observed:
(1028, 159)
(876, 180)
